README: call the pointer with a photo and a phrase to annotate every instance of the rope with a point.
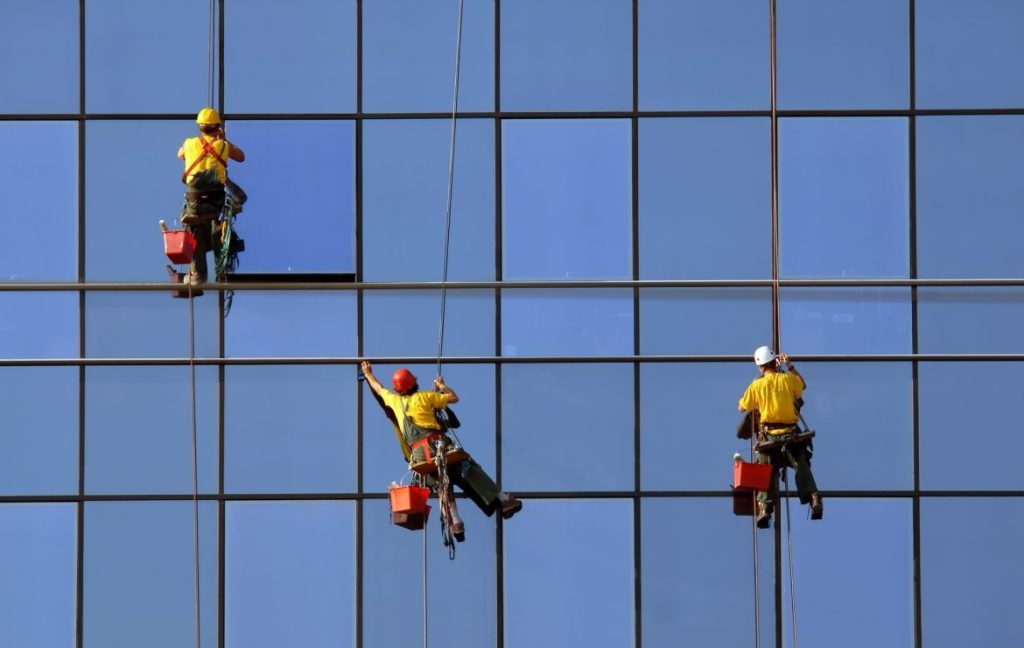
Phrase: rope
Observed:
(757, 560)
(195, 460)
(210, 53)
(451, 184)
(789, 542)
(776, 306)
(424, 584)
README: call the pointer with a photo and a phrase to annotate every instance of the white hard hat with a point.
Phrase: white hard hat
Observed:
(763, 355)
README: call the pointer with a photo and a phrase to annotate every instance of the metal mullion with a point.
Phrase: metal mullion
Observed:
(80, 533)
(359, 509)
(221, 376)
(914, 339)
(499, 538)
(635, 275)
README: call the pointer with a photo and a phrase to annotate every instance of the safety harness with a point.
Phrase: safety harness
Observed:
(208, 150)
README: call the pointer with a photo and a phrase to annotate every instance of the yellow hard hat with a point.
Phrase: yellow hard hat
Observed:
(207, 117)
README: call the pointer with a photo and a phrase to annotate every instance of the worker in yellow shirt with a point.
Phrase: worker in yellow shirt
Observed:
(774, 395)
(206, 174)
(414, 413)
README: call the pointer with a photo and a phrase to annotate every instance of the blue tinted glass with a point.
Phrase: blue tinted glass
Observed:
(138, 436)
(300, 177)
(968, 196)
(47, 80)
(39, 449)
(289, 429)
(843, 197)
(125, 198)
(139, 578)
(405, 179)
(409, 56)
(38, 325)
(289, 574)
(405, 323)
(862, 414)
(293, 324)
(549, 415)
(842, 321)
(690, 208)
(845, 575)
(382, 456)
(567, 322)
(969, 53)
(147, 56)
(697, 55)
(688, 418)
(148, 325)
(705, 606)
(566, 199)
(569, 574)
(295, 58)
(837, 54)
(570, 55)
(461, 593)
(40, 209)
(970, 320)
(971, 571)
(960, 400)
(703, 320)
(38, 559)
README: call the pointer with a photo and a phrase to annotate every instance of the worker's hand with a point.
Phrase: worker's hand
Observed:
(439, 383)
(366, 367)
(783, 359)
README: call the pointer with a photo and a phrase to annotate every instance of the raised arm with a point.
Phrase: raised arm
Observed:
(370, 378)
(784, 360)
(445, 389)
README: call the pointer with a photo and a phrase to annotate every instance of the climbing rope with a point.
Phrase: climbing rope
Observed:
(789, 543)
(211, 52)
(757, 562)
(195, 459)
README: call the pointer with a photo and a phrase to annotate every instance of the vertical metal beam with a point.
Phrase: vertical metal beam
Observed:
(499, 538)
(359, 511)
(80, 539)
(221, 374)
(635, 274)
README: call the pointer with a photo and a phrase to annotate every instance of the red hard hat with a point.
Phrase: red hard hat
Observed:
(403, 380)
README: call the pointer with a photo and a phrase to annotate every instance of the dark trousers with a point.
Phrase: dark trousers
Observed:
(477, 484)
(204, 243)
(797, 456)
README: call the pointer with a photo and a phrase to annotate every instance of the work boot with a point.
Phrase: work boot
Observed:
(817, 508)
(764, 515)
(510, 507)
(459, 531)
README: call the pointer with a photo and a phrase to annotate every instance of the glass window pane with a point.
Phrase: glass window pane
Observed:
(148, 325)
(405, 176)
(300, 177)
(139, 578)
(46, 81)
(40, 215)
(970, 320)
(409, 56)
(299, 58)
(405, 323)
(289, 429)
(147, 56)
(568, 564)
(971, 571)
(837, 54)
(382, 457)
(843, 190)
(580, 322)
(39, 325)
(690, 208)
(969, 195)
(123, 202)
(138, 429)
(845, 575)
(39, 448)
(38, 558)
(969, 53)
(967, 398)
(697, 55)
(289, 574)
(547, 417)
(393, 563)
(292, 324)
(703, 321)
(696, 577)
(691, 451)
(571, 181)
(845, 321)
(569, 55)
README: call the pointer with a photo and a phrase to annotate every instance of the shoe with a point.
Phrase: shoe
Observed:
(764, 515)
(510, 507)
(817, 507)
(459, 531)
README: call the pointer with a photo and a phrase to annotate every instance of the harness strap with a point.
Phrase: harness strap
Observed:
(425, 444)
(208, 149)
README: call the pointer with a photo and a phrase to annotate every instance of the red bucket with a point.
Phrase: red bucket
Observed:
(751, 476)
(179, 246)
(409, 499)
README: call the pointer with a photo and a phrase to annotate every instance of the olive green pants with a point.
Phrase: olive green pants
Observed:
(796, 456)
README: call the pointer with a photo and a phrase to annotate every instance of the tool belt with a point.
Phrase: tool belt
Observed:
(778, 426)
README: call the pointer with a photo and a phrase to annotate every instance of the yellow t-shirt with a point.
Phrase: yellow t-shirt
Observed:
(774, 395)
(419, 407)
(193, 148)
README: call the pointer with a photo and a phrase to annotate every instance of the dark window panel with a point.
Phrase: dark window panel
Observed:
(406, 323)
(148, 325)
(289, 429)
(291, 324)
(405, 179)
(46, 81)
(39, 325)
(845, 320)
(703, 321)
(970, 320)
(577, 322)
